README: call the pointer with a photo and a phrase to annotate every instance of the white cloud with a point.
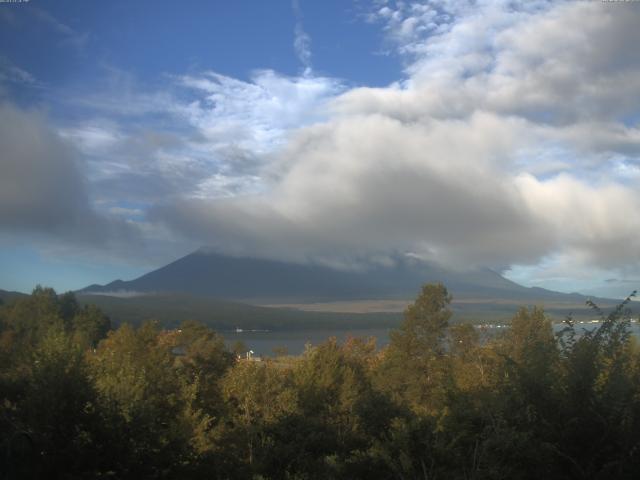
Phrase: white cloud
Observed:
(368, 185)
(512, 140)
(40, 185)
(237, 125)
(598, 223)
(301, 41)
(258, 113)
(43, 189)
(70, 36)
(500, 148)
(11, 73)
(216, 143)
(93, 139)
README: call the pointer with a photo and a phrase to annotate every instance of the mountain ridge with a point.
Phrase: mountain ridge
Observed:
(255, 280)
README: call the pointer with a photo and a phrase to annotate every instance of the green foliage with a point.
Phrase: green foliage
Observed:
(58, 406)
(422, 333)
(142, 397)
(90, 325)
(171, 309)
(47, 397)
(413, 368)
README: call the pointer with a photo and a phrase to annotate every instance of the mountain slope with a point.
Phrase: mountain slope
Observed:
(257, 280)
(8, 297)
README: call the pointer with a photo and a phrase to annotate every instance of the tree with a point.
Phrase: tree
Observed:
(143, 400)
(414, 366)
(598, 435)
(519, 417)
(58, 407)
(90, 325)
(422, 333)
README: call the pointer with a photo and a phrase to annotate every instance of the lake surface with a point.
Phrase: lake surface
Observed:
(263, 342)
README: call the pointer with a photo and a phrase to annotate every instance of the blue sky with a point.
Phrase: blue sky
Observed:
(469, 134)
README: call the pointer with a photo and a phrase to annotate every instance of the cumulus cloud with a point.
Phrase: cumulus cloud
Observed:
(598, 223)
(216, 139)
(40, 185)
(373, 185)
(137, 165)
(43, 190)
(217, 135)
(512, 141)
(255, 114)
(497, 149)
(559, 65)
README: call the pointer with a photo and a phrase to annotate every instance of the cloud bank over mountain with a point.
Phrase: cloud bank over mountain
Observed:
(510, 141)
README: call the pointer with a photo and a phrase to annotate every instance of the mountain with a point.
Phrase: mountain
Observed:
(8, 297)
(254, 280)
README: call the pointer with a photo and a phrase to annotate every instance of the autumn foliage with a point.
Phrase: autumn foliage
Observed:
(81, 400)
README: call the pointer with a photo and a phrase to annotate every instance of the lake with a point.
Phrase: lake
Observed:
(264, 342)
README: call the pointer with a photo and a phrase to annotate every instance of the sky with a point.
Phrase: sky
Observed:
(500, 134)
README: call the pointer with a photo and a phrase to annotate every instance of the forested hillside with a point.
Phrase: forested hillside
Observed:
(171, 309)
(80, 400)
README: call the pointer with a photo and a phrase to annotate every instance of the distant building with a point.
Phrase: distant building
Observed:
(249, 357)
